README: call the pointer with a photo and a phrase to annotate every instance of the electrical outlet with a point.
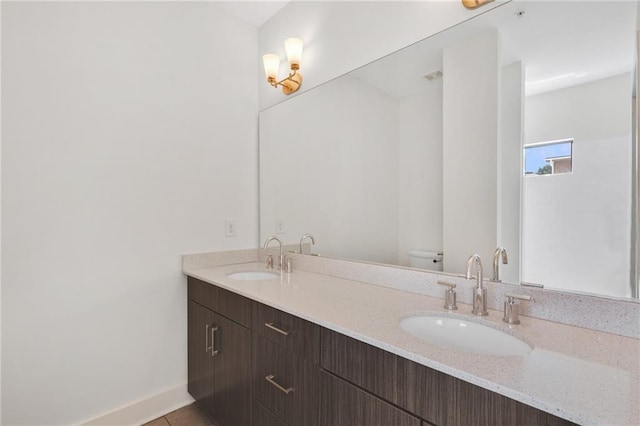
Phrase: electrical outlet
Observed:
(280, 226)
(230, 228)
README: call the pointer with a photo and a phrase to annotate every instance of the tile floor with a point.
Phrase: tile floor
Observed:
(190, 415)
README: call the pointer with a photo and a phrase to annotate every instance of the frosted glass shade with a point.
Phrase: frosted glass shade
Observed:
(293, 46)
(271, 63)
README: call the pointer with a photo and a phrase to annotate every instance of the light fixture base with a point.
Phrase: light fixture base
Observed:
(474, 4)
(292, 83)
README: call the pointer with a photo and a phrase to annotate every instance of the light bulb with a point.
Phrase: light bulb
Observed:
(293, 46)
(271, 63)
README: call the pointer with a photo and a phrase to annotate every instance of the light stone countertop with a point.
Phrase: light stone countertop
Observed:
(585, 376)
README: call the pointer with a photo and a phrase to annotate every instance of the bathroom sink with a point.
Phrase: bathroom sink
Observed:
(253, 276)
(464, 335)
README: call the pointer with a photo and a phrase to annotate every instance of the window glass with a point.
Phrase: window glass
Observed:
(548, 158)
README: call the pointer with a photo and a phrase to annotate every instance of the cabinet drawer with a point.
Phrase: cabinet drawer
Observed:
(434, 396)
(261, 416)
(285, 383)
(224, 302)
(297, 335)
(342, 404)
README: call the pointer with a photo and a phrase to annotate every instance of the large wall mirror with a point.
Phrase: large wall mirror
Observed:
(514, 129)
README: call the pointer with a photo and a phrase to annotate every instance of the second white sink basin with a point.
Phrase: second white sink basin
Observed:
(253, 276)
(464, 335)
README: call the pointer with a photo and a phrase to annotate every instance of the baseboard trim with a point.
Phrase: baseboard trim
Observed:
(145, 410)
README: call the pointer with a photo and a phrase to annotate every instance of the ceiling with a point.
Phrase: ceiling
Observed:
(561, 44)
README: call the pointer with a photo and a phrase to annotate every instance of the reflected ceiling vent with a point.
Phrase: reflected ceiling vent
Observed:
(434, 76)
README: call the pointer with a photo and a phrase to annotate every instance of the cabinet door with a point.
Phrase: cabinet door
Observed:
(232, 373)
(342, 404)
(200, 361)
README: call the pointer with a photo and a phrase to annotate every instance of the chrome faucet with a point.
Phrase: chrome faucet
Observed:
(479, 292)
(304, 237)
(281, 260)
(500, 251)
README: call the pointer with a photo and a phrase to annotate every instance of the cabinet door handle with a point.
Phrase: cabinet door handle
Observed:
(270, 378)
(214, 351)
(274, 328)
(207, 347)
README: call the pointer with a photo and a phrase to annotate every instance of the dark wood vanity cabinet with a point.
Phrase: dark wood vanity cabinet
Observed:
(250, 364)
(261, 416)
(200, 361)
(284, 383)
(219, 355)
(294, 334)
(433, 396)
(342, 403)
(285, 362)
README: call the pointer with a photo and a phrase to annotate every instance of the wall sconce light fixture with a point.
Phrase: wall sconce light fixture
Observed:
(271, 61)
(473, 4)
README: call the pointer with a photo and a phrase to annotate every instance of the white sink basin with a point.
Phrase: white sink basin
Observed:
(253, 276)
(464, 335)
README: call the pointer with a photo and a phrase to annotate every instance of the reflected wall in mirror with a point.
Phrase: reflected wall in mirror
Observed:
(513, 129)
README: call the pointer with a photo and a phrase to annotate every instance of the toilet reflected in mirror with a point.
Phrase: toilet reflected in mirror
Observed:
(425, 259)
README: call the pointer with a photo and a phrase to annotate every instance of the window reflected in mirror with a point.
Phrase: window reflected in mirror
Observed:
(548, 158)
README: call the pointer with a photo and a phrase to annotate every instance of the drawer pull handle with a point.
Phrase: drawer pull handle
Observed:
(270, 378)
(207, 347)
(214, 351)
(274, 328)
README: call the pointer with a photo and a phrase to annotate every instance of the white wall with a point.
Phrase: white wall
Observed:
(510, 170)
(470, 134)
(420, 173)
(336, 149)
(327, 167)
(596, 110)
(577, 226)
(341, 36)
(123, 147)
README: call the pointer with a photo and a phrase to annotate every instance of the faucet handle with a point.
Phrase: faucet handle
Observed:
(270, 261)
(282, 263)
(449, 296)
(512, 308)
(288, 265)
